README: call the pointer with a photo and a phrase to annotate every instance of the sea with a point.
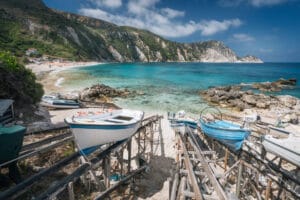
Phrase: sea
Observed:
(175, 86)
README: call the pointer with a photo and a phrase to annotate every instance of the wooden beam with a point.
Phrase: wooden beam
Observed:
(14, 191)
(174, 187)
(213, 180)
(191, 174)
(121, 182)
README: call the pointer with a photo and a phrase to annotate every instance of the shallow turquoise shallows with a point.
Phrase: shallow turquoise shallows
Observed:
(174, 86)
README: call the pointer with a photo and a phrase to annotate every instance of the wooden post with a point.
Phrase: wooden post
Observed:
(174, 187)
(71, 191)
(268, 189)
(238, 183)
(139, 142)
(106, 170)
(177, 148)
(145, 134)
(151, 138)
(121, 162)
(129, 156)
(226, 159)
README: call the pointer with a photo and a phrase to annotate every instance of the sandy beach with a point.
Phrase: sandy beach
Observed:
(154, 185)
(45, 67)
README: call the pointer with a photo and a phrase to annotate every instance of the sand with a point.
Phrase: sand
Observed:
(45, 67)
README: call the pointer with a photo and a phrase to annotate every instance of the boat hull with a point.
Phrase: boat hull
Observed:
(61, 106)
(273, 146)
(227, 133)
(87, 136)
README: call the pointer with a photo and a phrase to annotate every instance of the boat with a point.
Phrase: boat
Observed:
(54, 102)
(181, 120)
(11, 140)
(95, 129)
(228, 133)
(286, 148)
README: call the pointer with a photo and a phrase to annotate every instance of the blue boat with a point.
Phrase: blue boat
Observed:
(54, 102)
(184, 122)
(230, 134)
(180, 120)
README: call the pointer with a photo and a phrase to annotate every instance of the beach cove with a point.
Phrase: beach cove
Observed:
(172, 86)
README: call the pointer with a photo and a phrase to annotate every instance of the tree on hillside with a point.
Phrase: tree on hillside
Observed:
(17, 82)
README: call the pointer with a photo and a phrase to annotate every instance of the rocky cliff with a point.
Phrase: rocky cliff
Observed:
(30, 24)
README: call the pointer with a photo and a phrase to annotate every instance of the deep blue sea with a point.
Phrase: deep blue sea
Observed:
(174, 86)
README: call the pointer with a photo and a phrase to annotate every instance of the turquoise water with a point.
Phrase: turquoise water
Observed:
(174, 86)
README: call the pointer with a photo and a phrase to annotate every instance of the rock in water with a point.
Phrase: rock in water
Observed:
(101, 92)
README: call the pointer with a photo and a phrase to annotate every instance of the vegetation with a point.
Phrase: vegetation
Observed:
(17, 82)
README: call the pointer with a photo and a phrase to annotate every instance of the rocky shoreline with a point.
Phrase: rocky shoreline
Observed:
(236, 97)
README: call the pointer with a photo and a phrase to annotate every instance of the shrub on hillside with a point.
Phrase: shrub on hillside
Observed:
(17, 82)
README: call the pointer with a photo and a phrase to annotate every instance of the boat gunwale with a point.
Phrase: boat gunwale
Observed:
(225, 129)
(272, 142)
(128, 123)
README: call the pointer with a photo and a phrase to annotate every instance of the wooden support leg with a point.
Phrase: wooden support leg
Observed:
(239, 178)
(226, 159)
(129, 156)
(71, 191)
(139, 142)
(268, 189)
(106, 170)
(151, 139)
(121, 162)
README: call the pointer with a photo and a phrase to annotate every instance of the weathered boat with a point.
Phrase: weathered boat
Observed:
(228, 133)
(55, 102)
(11, 140)
(181, 120)
(93, 130)
(286, 148)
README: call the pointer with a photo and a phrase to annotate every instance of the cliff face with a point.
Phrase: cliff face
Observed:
(30, 24)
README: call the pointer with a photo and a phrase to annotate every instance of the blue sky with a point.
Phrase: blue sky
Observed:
(269, 29)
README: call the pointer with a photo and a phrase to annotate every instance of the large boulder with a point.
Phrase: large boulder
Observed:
(249, 99)
(287, 100)
(101, 92)
(290, 118)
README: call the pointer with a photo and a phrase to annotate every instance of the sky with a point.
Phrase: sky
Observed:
(268, 29)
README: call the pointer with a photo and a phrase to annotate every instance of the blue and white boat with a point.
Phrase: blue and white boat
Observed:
(93, 130)
(181, 120)
(228, 133)
(54, 102)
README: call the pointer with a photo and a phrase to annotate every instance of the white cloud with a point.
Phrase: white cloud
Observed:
(166, 22)
(255, 3)
(259, 3)
(107, 3)
(243, 37)
(140, 6)
(211, 27)
(171, 13)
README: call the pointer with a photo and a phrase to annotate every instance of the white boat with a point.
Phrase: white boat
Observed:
(93, 130)
(287, 148)
(54, 102)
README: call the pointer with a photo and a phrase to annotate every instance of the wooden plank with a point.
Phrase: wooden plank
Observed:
(174, 187)
(191, 174)
(28, 182)
(45, 141)
(52, 189)
(35, 152)
(213, 180)
(121, 182)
